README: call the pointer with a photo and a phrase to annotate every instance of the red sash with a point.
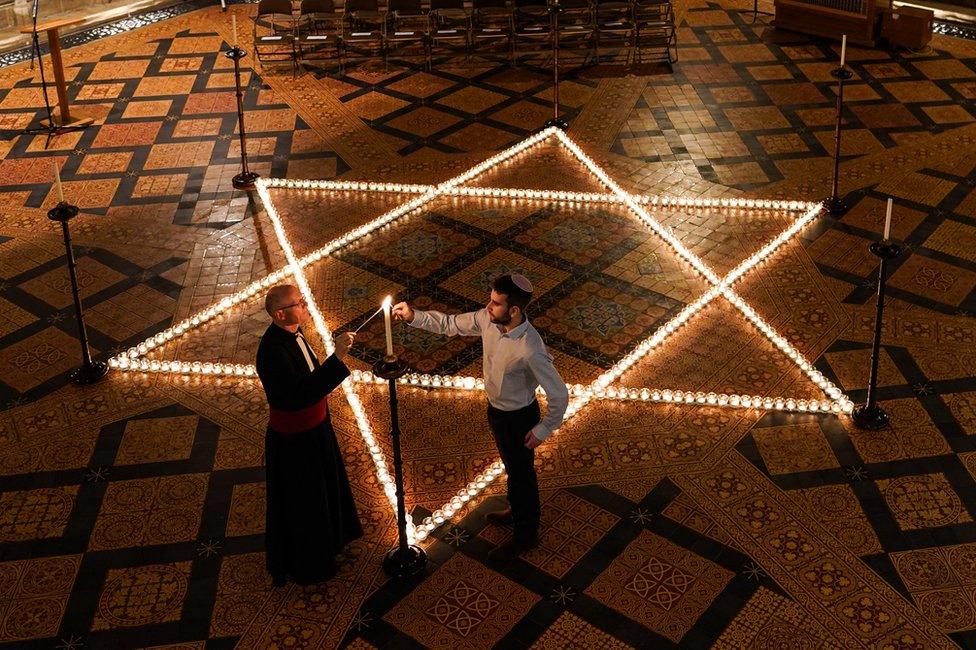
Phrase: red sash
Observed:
(301, 420)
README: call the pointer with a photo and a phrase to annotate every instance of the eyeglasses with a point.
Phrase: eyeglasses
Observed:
(300, 303)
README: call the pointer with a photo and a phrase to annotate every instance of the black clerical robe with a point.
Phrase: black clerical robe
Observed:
(311, 515)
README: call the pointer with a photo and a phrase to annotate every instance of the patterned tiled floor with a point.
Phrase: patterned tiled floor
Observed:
(131, 512)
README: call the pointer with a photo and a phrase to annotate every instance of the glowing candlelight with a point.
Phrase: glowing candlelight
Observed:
(57, 181)
(887, 230)
(387, 303)
(843, 49)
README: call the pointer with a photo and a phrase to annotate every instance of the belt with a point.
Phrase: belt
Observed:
(300, 420)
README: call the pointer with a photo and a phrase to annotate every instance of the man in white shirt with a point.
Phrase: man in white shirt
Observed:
(516, 362)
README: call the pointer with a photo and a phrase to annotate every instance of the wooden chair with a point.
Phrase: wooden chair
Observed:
(576, 24)
(614, 24)
(531, 25)
(319, 32)
(408, 26)
(491, 22)
(654, 29)
(450, 26)
(364, 30)
(274, 32)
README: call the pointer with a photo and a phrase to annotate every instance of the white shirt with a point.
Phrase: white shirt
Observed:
(306, 349)
(515, 363)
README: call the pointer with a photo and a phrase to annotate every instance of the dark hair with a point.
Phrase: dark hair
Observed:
(514, 296)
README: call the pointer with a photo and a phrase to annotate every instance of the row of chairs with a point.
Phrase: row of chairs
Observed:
(362, 28)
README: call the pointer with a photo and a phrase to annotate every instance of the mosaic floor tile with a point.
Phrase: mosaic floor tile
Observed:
(768, 619)
(665, 587)
(837, 508)
(570, 631)
(149, 511)
(35, 591)
(136, 596)
(937, 280)
(157, 439)
(35, 514)
(247, 510)
(54, 287)
(462, 605)
(794, 449)
(39, 357)
(242, 585)
(923, 501)
(940, 583)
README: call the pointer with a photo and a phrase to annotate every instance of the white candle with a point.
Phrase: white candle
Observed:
(233, 31)
(843, 49)
(887, 230)
(387, 303)
(57, 181)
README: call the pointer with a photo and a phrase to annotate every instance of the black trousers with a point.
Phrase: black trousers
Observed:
(509, 429)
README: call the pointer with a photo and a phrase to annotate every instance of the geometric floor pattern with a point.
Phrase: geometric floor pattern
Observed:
(131, 512)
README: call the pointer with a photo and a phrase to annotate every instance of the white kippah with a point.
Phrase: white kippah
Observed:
(522, 282)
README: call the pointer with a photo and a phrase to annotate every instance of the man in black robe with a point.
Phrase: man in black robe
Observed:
(311, 515)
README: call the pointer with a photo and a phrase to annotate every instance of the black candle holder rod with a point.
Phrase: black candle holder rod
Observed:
(405, 560)
(870, 415)
(244, 180)
(90, 371)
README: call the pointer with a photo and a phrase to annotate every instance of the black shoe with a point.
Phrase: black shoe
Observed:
(511, 549)
(500, 517)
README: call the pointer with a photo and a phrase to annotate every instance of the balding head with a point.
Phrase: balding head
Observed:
(280, 296)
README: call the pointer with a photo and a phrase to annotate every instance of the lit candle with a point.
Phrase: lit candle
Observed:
(387, 303)
(57, 181)
(233, 31)
(887, 230)
(843, 49)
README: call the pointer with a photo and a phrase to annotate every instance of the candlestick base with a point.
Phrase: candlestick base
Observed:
(62, 212)
(871, 418)
(235, 53)
(405, 563)
(842, 73)
(245, 180)
(390, 368)
(886, 250)
(557, 122)
(90, 374)
(835, 206)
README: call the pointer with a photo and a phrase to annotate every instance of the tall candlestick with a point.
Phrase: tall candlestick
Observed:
(843, 49)
(387, 303)
(57, 181)
(887, 229)
(233, 31)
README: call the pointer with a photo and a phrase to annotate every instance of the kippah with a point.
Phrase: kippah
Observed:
(522, 282)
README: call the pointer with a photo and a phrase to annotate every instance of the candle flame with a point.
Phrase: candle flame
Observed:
(387, 301)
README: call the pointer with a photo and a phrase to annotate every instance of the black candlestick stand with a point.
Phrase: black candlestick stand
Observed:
(244, 180)
(90, 371)
(554, 10)
(869, 415)
(834, 205)
(406, 560)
